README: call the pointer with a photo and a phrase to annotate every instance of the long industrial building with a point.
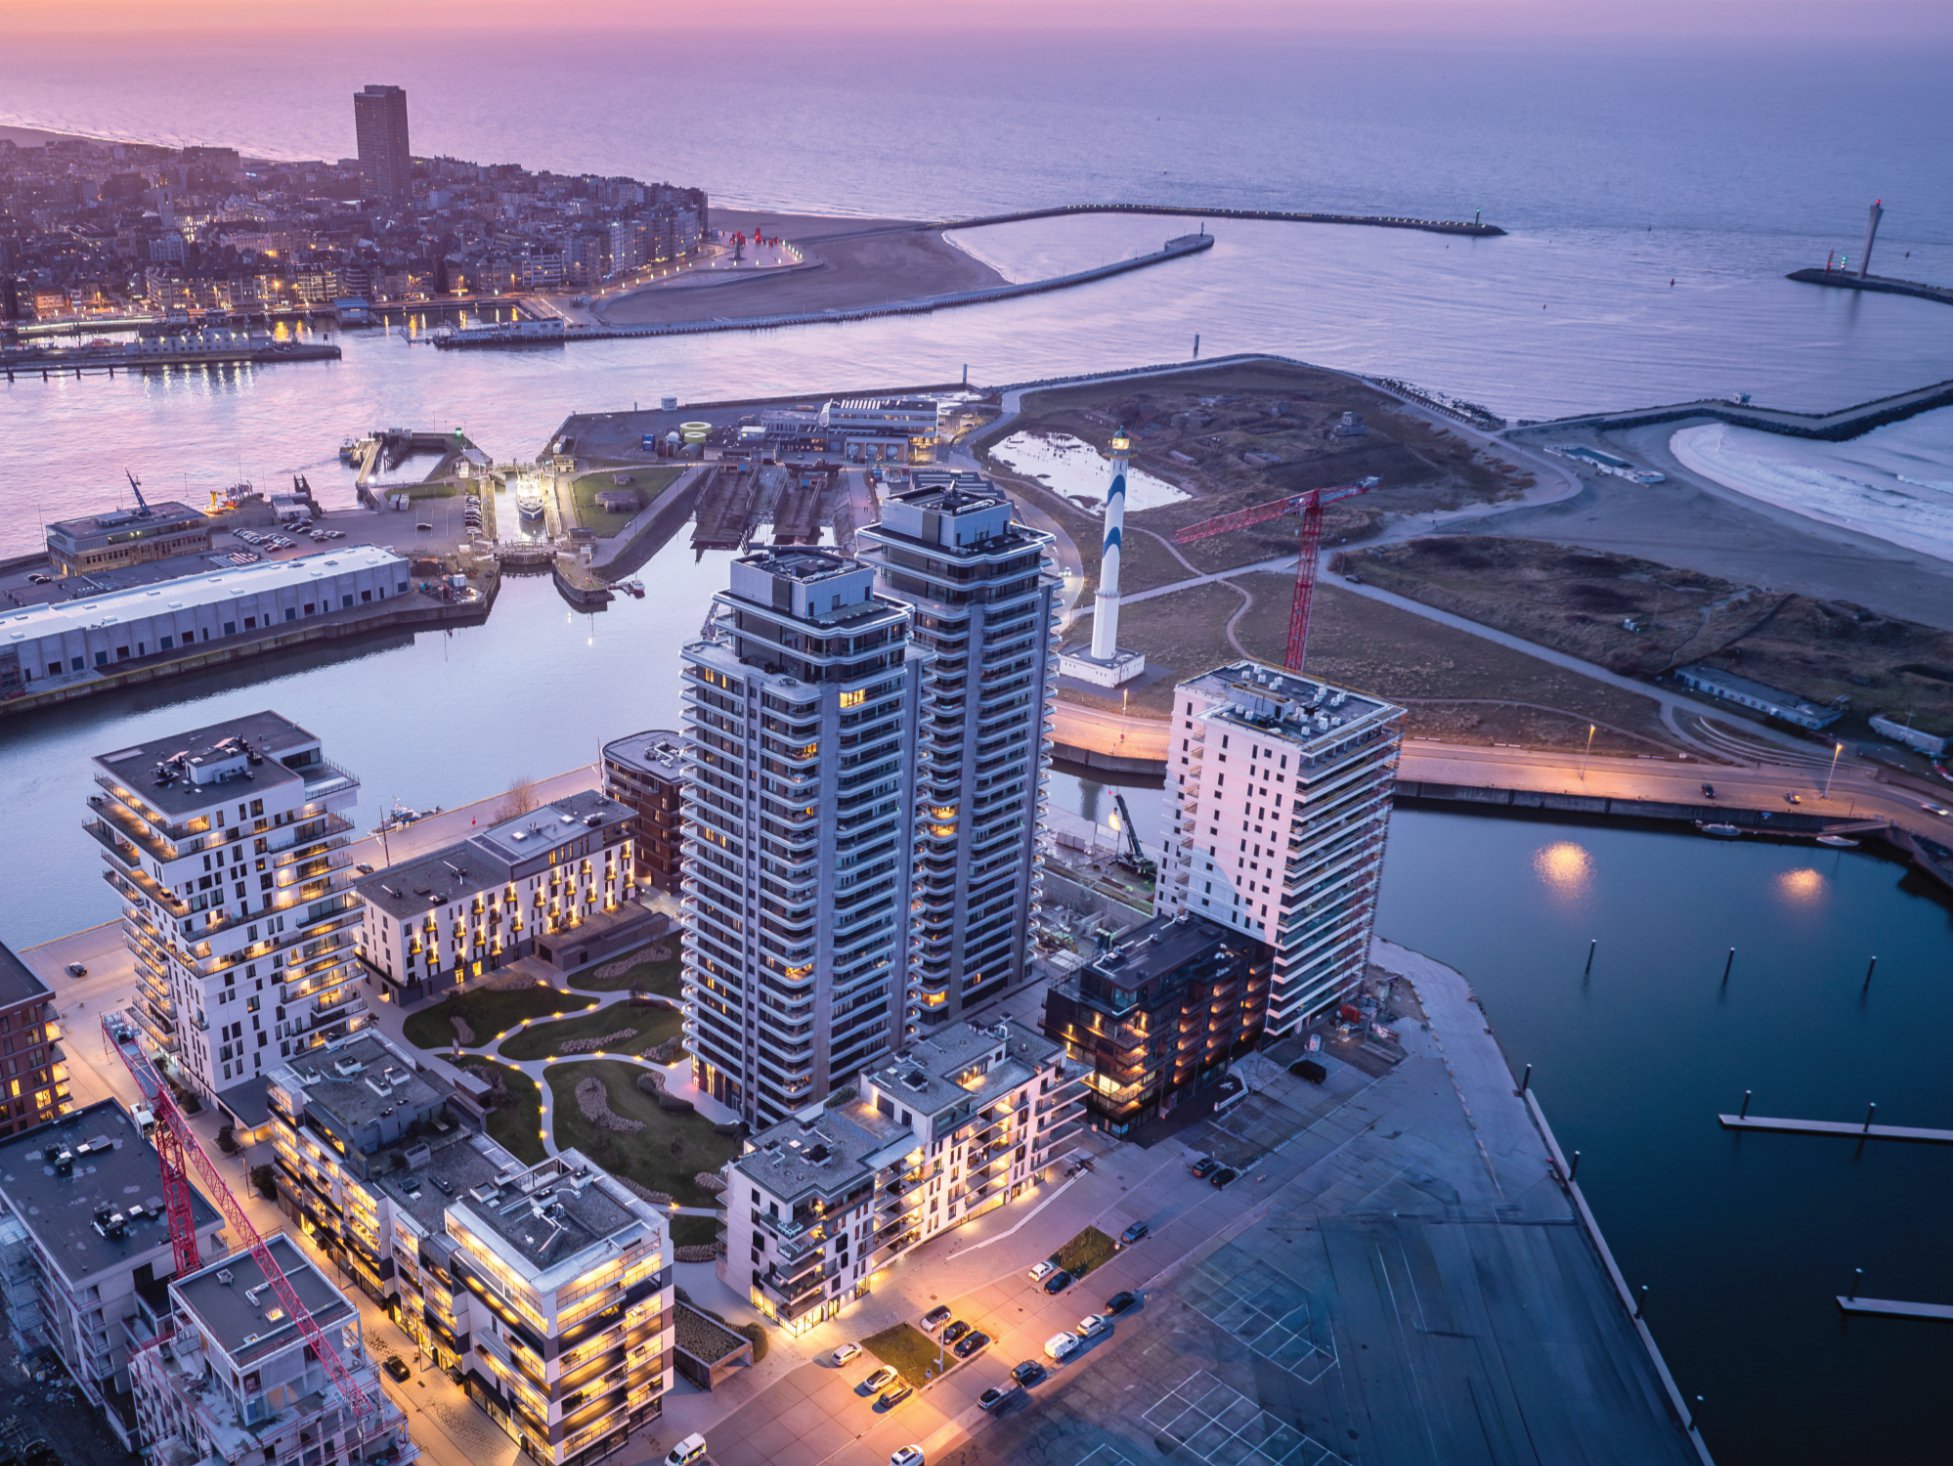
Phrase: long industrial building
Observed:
(99, 633)
(1283, 799)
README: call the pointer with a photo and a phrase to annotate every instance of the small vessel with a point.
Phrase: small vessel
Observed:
(632, 588)
(1839, 842)
(529, 505)
(1721, 831)
(348, 450)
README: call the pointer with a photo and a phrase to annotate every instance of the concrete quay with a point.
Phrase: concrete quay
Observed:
(1831, 427)
(63, 361)
(1878, 284)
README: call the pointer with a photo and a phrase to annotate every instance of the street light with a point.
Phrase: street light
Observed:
(1585, 751)
(1827, 792)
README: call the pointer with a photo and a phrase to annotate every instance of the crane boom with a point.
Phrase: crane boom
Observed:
(180, 1152)
(136, 488)
(1310, 505)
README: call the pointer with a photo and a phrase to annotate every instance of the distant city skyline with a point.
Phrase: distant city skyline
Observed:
(1486, 22)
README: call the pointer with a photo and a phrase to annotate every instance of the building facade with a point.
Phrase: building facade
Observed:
(1160, 1014)
(124, 537)
(33, 1074)
(645, 772)
(445, 918)
(1283, 799)
(380, 131)
(85, 1248)
(983, 609)
(228, 847)
(798, 820)
(902, 429)
(952, 1127)
(234, 1382)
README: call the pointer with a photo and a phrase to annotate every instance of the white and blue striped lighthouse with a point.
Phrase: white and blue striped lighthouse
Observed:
(1106, 600)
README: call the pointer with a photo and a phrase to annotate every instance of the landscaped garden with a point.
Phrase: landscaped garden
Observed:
(516, 1121)
(622, 1028)
(599, 1108)
(915, 1354)
(653, 968)
(1085, 1252)
(485, 1012)
(650, 483)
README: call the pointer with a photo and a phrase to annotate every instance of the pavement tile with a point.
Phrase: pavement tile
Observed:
(1255, 1432)
(1184, 1425)
(1217, 1399)
(1210, 1439)
(1240, 1413)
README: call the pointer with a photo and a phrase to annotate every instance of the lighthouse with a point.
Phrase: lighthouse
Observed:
(1106, 600)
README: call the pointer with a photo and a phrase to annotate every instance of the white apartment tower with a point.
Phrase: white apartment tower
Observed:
(1283, 792)
(228, 847)
(982, 606)
(797, 822)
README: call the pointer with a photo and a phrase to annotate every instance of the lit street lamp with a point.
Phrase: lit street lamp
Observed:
(1585, 751)
(1827, 793)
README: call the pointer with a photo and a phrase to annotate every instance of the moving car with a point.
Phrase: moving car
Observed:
(1120, 1302)
(1133, 1234)
(1093, 1325)
(1940, 810)
(1221, 1177)
(935, 1318)
(1059, 1281)
(1028, 1373)
(844, 1354)
(1791, 798)
(1709, 792)
(906, 1456)
(397, 1367)
(1062, 1346)
(971, 1343)
(75, 969)
(1042, 1270)
(891, 1398)
(1202, 1167)
(956, 1331)
(877, 1378)
(691, 1449)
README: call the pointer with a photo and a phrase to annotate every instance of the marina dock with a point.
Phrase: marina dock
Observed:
(1896, 1308)
(1780, 1126)
(66, 361)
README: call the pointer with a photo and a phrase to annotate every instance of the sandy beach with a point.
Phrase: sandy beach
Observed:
(1695, 523)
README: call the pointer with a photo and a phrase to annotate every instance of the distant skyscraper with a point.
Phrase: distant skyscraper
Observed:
(380, 123)
(798, 821)
(1283, 791)
(983, 607)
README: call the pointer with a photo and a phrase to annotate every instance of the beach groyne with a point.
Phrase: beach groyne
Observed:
(1878, 284)
(1832, 427)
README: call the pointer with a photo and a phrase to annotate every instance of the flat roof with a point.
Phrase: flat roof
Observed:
(451, 1171)
(550, 1213)
(161, 515)
(114, 1171)
(659, 752)
(357, 1080)
(1305, 711)
(241, 1313)
(523, 836)
(221, 752)
(802, 565)
(18, 984)
(410, 886)
(206, 588)
(1750, 687)
(1160, 946)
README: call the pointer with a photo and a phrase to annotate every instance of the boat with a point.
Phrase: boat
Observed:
(1721, 831)
(632, 588)
(1838, 842)
(530, 506)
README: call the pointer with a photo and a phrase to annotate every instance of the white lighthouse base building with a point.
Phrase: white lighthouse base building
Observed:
(1122, 666)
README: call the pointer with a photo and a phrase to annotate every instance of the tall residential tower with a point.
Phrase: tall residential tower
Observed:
(1283, 792)
(380, 125)
(982, 607)
(798, 818)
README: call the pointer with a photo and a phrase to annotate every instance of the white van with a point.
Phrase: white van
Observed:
(691, 1449)
(1061, 1346)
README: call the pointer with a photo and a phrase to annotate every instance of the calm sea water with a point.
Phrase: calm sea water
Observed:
(1618, 170)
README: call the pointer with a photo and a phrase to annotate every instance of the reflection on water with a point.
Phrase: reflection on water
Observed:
(1565, 868)
(1801, 886)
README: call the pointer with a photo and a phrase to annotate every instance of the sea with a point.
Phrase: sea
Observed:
(1617, 168)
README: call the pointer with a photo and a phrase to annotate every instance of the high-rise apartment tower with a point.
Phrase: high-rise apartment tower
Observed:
(380, 125)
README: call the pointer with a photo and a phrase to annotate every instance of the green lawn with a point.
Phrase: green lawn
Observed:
(695, 1231)
(913, 1352)
(660, 977)
(1085, 1252)
(514, 1124)
(487, 1012)
(649, 1024)
(650, 483)
(647, 1156)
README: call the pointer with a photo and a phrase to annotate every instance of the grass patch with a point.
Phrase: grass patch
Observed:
(695, 1231)
(913, 1352)
(663, 1156)
(650, 483)
(652, 975)
(514, 1122)
(1085, 1252)
(649, 1025)
(487, 1012)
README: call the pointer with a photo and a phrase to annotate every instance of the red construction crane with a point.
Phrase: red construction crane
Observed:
(177, 1146)
(1311, 506)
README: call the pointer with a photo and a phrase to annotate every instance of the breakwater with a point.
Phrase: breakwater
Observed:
(1174, 249)
(1472, 228)
(1878, 284)
(65, 361)
(1832, 427)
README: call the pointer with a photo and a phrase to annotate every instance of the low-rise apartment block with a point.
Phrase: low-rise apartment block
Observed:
(646, 771)
(946, 1130)
(33, 1075)
(85, 1250)
(445, 918)
(235, 1383)
(228, 846)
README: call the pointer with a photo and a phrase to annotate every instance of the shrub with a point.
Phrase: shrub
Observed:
(227, 1139)
(672, 1104)
(649, 1084)
(265, 1180)
(758, 1335)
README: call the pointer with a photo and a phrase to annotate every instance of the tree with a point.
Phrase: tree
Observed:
(520, 799)
(265, 1181)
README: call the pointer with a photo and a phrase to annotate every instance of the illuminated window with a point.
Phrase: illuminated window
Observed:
(854, 699)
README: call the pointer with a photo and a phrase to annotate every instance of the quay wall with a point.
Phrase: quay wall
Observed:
(67, 361)
(1832, 427)
(1279, 216)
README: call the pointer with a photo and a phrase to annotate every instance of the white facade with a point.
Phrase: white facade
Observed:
(797, 821)
(1283, 797)
(983, 609)
(937, 1135)
(228, 846)
(903, 428)
(96, 634)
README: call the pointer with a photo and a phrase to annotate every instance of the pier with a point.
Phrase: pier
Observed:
(1878, 284)
(1895, 1308)
(1867, 1131)
(1831, 427)
(66, 361)
(1473, 228)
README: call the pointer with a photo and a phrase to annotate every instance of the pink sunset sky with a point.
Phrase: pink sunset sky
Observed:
(1486, 20)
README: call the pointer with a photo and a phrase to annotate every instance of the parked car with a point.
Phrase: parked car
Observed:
(1042, 1270)
(1093, 1325)
(1133, 1234)
(956, 1331)
(75, 969)
(1062, 1346)
(1120, 1302)
(906, 1456)
(992, 1398)
(877, 1378)
(365, 868)
(1221, 1176)
(397, 1367)
(1709, 791)
(1028, 1373)
(1059, 1281)
(1791, 798)
(891, 1398)
(935, 1318)
(692, 1448)
(971, 1344)
(844, 1354)
(1202, 1167)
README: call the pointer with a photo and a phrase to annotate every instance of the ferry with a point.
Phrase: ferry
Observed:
(529, 505)
(1721, 831)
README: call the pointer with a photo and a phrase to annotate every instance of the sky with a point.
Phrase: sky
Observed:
(1481, 20)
